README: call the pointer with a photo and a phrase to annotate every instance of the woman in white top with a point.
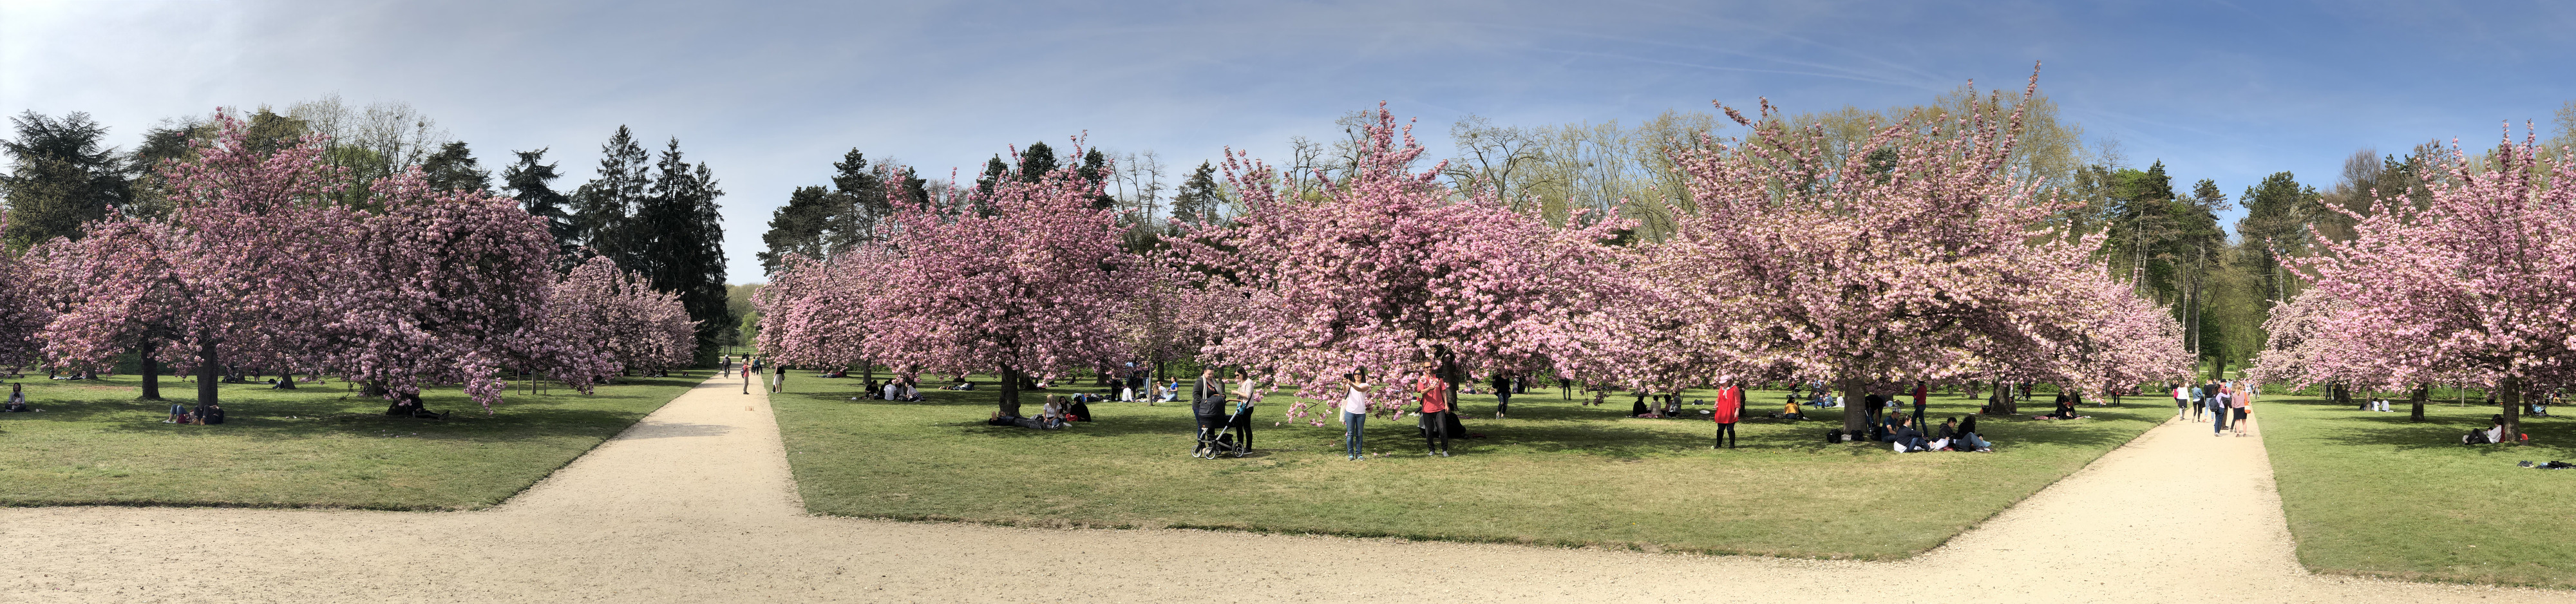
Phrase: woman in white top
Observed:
(1355, 410)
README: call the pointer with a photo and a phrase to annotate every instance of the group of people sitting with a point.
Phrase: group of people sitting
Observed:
(1952, 436)
(897, 389)
(1056, 414)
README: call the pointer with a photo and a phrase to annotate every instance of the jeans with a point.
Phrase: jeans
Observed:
(1502, 402)
(1726, 434)
(1437, 431)
(2218, 420)
(1351, 431)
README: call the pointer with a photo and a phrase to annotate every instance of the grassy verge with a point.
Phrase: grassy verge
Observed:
(1555, 473)
(317, 446)
(2374, 494)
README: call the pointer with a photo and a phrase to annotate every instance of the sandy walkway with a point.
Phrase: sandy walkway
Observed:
(695, 504)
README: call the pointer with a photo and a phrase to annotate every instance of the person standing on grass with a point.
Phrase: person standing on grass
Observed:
(1730, 405)
(1355, 410)
(1502, 393)
(1921, 392)
(1432, 394)
(1207, 401)
(779, 383)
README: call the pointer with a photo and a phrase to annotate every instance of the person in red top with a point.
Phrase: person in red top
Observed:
(1434, 396)
(1730, 405)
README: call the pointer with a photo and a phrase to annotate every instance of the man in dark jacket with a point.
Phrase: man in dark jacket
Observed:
(1207, 401)
(1907, 438)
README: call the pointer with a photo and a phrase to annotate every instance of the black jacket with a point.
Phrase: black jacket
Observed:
(1207, 398)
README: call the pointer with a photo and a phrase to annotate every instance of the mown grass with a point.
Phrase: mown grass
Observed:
(2374, 494)
(316, 446)
(1554, 473)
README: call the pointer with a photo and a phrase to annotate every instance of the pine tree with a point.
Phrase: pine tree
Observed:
(680, 244)
(531, 182)
(61, 179)
(858, 203)
(453, 168)
(1035, 162)
(796, 228)
(602, 207)
(171, 141)
(1095, 168)
(1200, 197)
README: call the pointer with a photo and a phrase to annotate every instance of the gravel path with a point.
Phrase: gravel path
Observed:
(695, 504)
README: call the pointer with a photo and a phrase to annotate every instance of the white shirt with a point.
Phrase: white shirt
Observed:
(1357, 401)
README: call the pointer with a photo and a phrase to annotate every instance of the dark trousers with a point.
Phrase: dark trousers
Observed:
(1726, 435)
(1435, 433)
(1502, 402)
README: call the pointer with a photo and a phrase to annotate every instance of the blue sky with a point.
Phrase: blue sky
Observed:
(769, 95)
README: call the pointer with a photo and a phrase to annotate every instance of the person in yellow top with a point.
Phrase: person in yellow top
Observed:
(1790, 411)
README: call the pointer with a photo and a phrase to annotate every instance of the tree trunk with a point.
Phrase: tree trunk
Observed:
(2340, 395)
(206, 370)
(286, 379)
(2004, 403)
(2422, 392)
(151, 370)
(2509, 393)
(1010, 391)
(1855, 418)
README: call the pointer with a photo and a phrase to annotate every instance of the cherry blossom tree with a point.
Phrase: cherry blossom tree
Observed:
(2481, 280)
(240, 269)
(820, 312)
(603, 321)
(1387, 268)
(1918, 255)
(1024, 278)
(438, 287)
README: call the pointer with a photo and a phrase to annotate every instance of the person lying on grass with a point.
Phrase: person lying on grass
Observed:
(1967, 438)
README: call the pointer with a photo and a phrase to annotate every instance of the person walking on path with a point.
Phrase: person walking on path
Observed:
(746, 378)
(2217, 405)
(2182, 402)
(1502, 393)
(1730, 405)
(1432, 394)
(2242, 401)
(1355, 411)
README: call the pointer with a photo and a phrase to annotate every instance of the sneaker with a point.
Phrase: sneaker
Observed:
(1444, 453)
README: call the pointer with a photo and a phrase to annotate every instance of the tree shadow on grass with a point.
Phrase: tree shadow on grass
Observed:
(2441, 429)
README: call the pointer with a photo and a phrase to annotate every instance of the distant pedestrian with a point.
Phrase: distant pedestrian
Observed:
(1502, 393)
(2242, 401)
(2217, 406)
(1432, 393)
(1730, 408)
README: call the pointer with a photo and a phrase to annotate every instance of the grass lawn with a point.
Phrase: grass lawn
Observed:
(1555, 473)
(2374, 494)
(316, 446)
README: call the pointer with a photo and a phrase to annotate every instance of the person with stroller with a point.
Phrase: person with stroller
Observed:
(1207, 402)
(1433, 395)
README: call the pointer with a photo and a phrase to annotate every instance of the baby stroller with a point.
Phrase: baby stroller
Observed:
(1232, 437)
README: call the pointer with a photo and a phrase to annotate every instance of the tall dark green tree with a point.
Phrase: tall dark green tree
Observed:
(453, 168)
(858, 202)
(1036, 161)
(531, 181)
(59, 178)
(1094, 170)
(2277, 214)
(602, 207)
(796, 228)
(1200, 198)
(679, 244)
(170, 141)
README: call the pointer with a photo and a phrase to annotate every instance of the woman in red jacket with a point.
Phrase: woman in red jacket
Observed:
(1434, 396)
(1730, 403)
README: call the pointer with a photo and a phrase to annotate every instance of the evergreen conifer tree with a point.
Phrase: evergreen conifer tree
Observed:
(453, 168)
(531, 182)
(601, 208)
(61, 178)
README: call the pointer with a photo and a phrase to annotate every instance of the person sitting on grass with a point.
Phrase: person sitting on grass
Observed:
(1790, 411)
(1052, 414)
(17, 400)
(2492, 435)
(1906, 439)
(210, 414)
(1967, 438)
